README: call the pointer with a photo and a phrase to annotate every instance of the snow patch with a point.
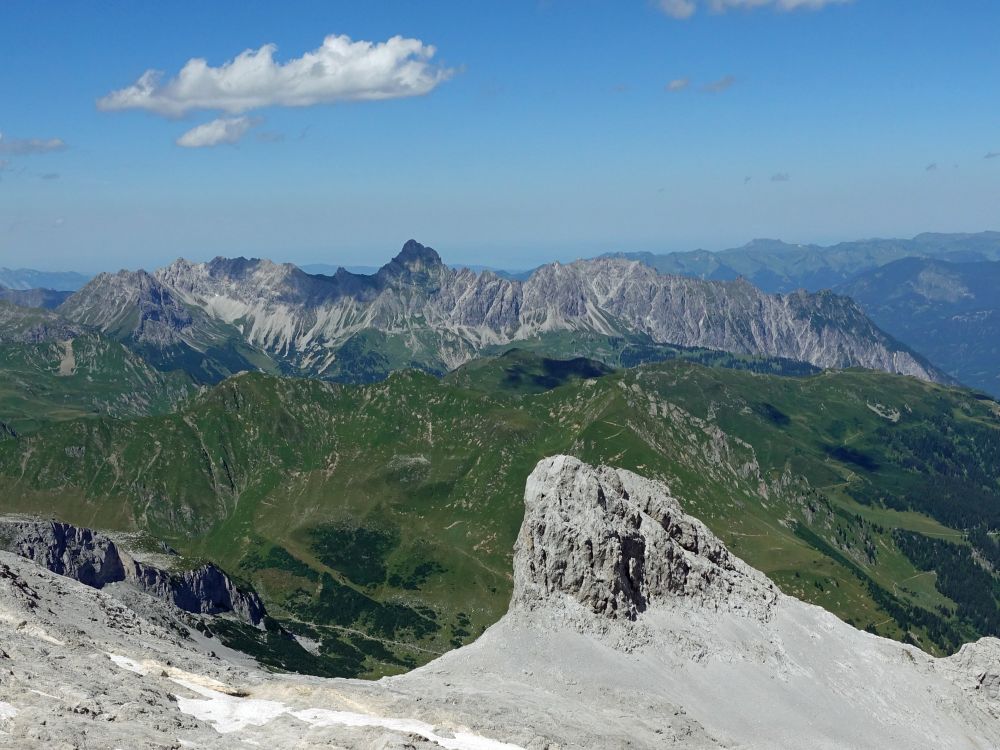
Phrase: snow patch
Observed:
(231, 714)
(130, 664)
(7, 711)
(31, 629)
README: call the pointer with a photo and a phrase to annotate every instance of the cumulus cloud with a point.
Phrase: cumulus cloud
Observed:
(678, 84)
(25, 146)
(717, 87)
(686, 8)
(216, 132)
(341, 69)
(781, 177)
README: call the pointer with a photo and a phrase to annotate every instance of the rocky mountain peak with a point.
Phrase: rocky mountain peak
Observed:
(414, 258)
(302, 319)
(618, 543)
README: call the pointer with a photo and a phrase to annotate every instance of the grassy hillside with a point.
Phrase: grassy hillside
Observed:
(379, 519)
(83, 375)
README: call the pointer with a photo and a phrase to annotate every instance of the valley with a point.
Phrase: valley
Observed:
(379, 519)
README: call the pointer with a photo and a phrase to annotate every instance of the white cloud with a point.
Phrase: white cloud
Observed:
(717, 87)
(216, 132)
(687, 8)
(678, 84)
(339, 70)
(678, 8)
(25, 146)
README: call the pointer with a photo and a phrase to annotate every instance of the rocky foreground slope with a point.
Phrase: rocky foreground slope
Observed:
(418, 311)
(631, 626)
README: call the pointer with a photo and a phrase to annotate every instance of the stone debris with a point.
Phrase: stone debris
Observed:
(631, 626)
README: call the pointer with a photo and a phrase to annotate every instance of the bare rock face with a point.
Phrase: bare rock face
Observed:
(81, 554)
(206, 590)
(24, 325)
(617, 543)
(302, 319)
(703, 653)
(95, 560)
(976, 668)
(154, 314)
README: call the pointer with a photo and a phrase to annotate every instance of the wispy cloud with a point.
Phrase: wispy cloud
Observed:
(781, 177)
(678, 84)
(684, 9)
(50, 176)
(678, 8)
(270, 136)
(992, 155)
(26, 146)
(717, 87)
(341, 69)
(932, 167)
(217, 132)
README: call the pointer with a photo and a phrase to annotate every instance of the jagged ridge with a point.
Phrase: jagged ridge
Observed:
(96, 561)
(444, 317)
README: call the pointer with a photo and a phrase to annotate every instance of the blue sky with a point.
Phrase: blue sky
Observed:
(536, 131)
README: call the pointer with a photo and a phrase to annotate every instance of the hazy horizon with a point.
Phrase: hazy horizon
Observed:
(501, 134)
(376, 262)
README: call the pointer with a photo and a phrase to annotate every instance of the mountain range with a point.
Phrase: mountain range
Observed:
(38, 297)
(776, 266)
(387, 512)
(946, 310)
(27, 278)
(239, 520)
(227, 315)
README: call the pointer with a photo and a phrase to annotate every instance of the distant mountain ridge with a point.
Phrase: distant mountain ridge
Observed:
(779, 267)
(327, 269)
(27, 278)
(417, 312)
(45, 298)
(948, 311)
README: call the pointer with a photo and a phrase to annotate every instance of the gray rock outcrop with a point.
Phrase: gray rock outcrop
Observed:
(96, 560)
(618, 543)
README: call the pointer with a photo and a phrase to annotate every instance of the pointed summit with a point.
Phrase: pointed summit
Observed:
(415, 256)
(414, 264)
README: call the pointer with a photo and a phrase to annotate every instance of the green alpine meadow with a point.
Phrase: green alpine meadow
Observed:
(379, 519)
